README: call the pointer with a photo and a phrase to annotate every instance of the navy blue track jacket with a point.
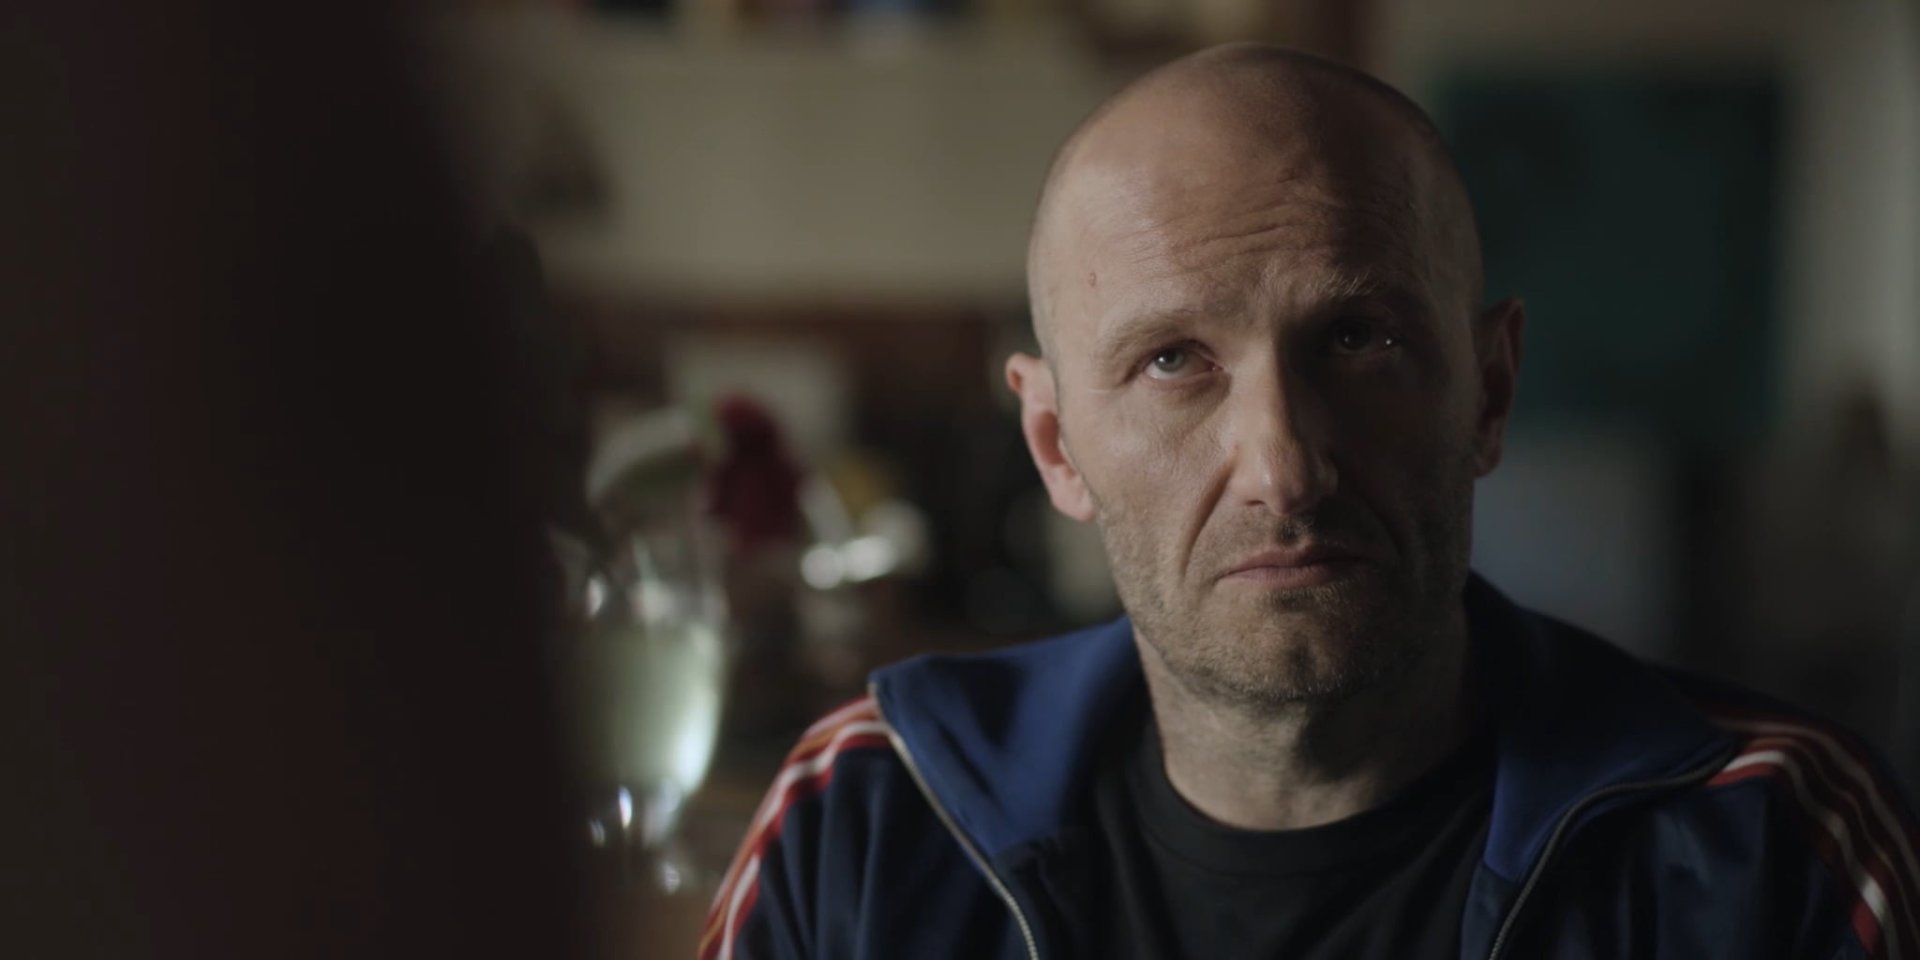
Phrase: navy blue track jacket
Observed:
(1637, 813)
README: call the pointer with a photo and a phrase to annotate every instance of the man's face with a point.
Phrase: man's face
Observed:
(1274, 406)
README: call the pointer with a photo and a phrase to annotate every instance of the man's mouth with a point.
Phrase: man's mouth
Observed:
(1307, 565)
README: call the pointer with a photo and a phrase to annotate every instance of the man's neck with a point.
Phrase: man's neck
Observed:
(1311, 763)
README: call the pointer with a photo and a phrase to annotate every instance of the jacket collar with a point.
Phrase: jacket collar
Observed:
(1573, 715)
(1006, 740)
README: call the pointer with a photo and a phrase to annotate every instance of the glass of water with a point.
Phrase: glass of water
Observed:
(646, 672)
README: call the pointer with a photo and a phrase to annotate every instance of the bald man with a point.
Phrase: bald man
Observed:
(1269, 380)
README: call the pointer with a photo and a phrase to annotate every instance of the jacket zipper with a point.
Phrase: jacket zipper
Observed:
(1560, 829)
(973, 852)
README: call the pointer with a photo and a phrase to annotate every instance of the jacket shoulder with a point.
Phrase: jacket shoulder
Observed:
(836, 747)
(1794, 841)
(1833, 792)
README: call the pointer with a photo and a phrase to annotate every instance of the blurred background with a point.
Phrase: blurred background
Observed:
(754, 266)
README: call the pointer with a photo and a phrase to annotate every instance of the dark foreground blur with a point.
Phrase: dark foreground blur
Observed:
(272, 561)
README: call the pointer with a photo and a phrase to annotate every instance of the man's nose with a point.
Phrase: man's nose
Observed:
(1280, 451)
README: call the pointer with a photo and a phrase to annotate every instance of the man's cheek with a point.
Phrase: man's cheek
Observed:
(1405, 427)
(1148, 441)
(1149, 473)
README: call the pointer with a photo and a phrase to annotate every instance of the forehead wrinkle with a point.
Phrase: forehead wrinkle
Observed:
(1304, 275)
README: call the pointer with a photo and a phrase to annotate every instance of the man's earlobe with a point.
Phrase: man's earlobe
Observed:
(1499, 359)
(1032, 380)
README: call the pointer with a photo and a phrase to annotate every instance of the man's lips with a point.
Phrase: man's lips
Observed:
(1305, 565)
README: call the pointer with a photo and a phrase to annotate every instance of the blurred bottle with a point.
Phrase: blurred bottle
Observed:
(646, 667)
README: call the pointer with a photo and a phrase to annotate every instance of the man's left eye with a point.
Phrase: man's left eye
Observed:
(1353, 335)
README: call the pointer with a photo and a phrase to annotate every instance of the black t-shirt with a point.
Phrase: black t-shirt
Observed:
(1389, 882)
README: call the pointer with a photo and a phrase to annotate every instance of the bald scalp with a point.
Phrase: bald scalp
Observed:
(1254, 104)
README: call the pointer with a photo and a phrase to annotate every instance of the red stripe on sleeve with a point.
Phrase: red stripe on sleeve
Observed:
(807, 772)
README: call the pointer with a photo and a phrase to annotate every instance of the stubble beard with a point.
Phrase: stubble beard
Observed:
(1271, 651)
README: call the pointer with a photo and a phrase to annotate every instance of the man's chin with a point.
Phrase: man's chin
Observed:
(1358, 595)
(1303, 646)
(1291, 682)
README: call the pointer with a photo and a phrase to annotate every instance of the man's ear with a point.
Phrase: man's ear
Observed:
(1032, 380)
(1498, 348)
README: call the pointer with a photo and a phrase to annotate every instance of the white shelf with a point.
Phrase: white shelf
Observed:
(876, 160)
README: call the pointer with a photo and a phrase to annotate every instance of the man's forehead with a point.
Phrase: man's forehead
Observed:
(1180, 187)
(1138, 243)
(1341, 215)
(1247, 148)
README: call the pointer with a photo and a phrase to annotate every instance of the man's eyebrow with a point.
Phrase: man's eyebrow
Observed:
(1141, 331)
(1367, 286)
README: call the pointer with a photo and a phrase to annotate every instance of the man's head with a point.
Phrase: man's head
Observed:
(1267, 378)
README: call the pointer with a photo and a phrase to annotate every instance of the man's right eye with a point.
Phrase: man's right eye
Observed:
(1171, 363)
